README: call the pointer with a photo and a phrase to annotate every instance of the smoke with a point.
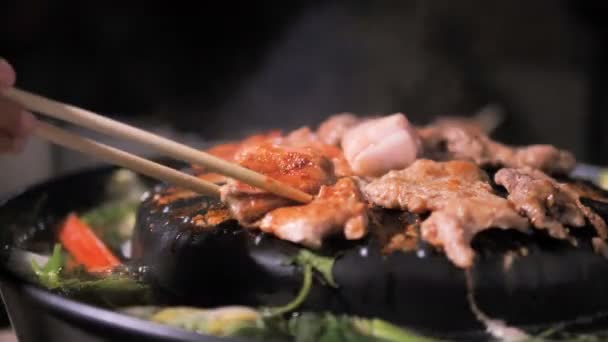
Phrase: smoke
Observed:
(346, 57)
(422, 58)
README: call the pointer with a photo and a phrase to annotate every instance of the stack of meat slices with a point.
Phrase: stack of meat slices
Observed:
(359, 167)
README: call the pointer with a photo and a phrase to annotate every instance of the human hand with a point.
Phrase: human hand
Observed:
(16, 124)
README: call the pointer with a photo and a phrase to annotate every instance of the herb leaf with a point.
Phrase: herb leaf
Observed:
(48, 275)
(300, 298)
(248, 323)
(110, 291)
(323, 265)
(327, 327)
(113, 222)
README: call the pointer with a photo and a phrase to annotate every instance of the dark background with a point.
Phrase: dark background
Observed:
(222, 69)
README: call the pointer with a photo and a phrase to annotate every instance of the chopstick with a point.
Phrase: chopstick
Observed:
(69, 140)
(163, 145)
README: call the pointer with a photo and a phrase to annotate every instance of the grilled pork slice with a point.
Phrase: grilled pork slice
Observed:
(228, 151)
(305, 138)
(450, 140)
(458, 196)
(377, 146)
(549, 204)
(302, 168)
(338, 208)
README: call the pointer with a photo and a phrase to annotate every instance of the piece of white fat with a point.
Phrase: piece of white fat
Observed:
(377, 146)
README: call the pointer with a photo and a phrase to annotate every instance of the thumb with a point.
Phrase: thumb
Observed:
(7, 74)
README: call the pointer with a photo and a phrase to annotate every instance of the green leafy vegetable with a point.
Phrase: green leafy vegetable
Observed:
(387, 331)
(327, 327)
(111, 290)
(48, 275)
(310, 327)
(309, 262)
(113, 222)
(557, 333)
(244, 322)
(300, 298)
(323, 265)
(110, 213)
(125, 184)
(223, 321)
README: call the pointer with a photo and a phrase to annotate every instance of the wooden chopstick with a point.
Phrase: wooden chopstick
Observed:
(166, 146)
(115, 156)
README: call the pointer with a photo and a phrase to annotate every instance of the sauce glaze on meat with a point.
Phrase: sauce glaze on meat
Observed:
(302, 168)
(338, 208)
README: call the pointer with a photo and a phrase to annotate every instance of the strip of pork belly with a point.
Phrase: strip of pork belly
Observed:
(377, 146)
(450, 140)
(458, 196)
(331, 130)
(337, 208)
(302, 168)
(548, 203)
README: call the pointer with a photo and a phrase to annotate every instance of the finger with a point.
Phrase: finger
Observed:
(25, 124)
(11, 120)
(7, 74)
(18, 144)
(11, 144)
(25, 127)
(6, 143)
